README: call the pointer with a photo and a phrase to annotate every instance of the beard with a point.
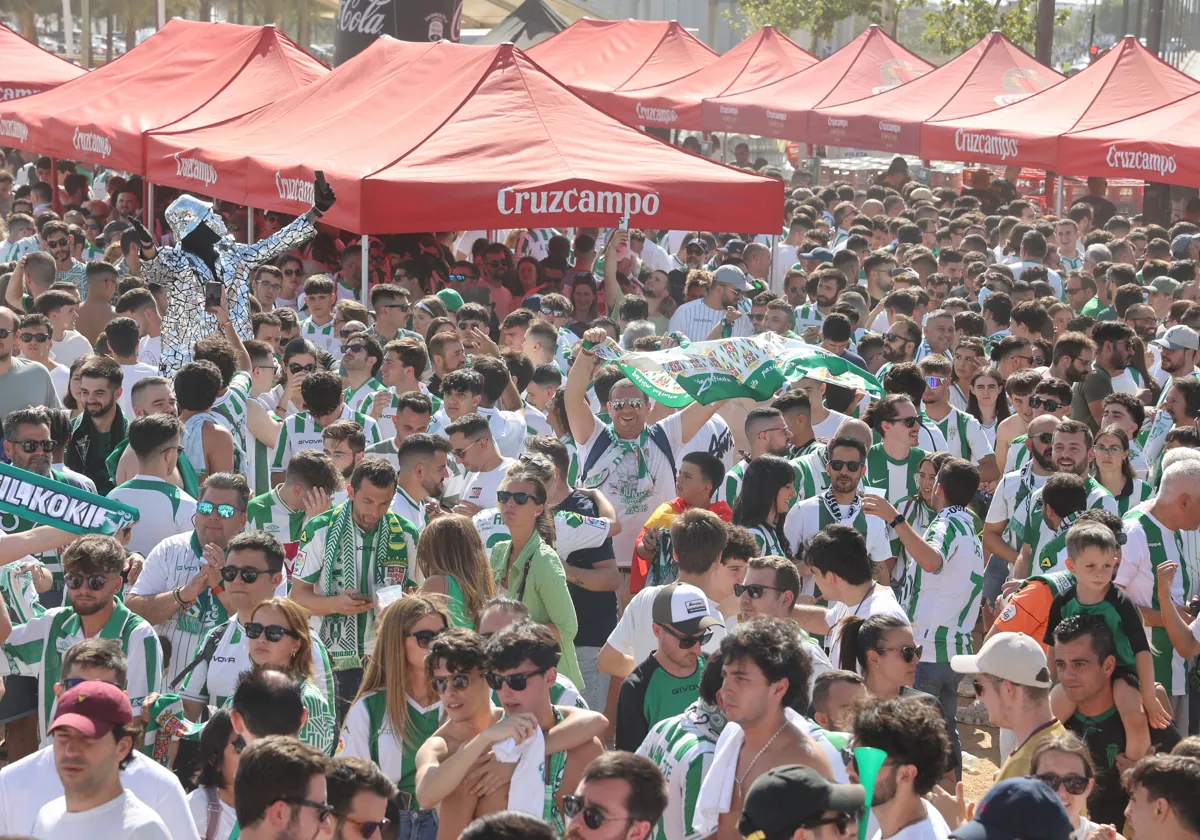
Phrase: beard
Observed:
(1043, 459)
(885, 791)
(107, 407)
(39, 464)
(895, 356)
(91, 607)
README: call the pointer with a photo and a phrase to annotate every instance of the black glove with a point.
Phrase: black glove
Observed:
(323, 196)
(144, 236)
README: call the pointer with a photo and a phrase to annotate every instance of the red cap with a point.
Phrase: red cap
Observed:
(93, 708)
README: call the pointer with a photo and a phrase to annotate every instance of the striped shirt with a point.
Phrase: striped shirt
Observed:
(302, 431)
(696, 320)
(165, 510)
(369, 733)
(20, 595)
(683, 752)
(964, 436)
(360, 399)
(230, 411)
(944, 605)
(269, 512)
(322, 335)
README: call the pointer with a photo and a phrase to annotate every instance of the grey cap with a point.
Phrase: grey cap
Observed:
(1179, 245)
(731, 275)
(1179, 337)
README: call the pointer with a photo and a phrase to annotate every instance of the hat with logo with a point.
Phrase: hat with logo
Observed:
(785, 798)
(1023, 808)
(1164, 285)
(1180, 244)
(683, 607)
(731, 275)
(734, 246)
(819, 254)
(451, 299)
(94, 708)
(1010, 656)
(1179, 337)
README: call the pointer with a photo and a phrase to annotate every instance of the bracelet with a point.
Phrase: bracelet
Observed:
(224, 325)
(179, 602)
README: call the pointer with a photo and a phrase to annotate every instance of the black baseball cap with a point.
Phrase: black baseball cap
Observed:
(1022, 808)
(784, 798)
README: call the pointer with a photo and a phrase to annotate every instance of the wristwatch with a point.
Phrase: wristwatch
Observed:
(899, 520)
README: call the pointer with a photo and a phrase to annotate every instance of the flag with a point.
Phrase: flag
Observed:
(755, 367)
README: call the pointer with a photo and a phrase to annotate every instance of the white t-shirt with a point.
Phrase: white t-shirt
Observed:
(150, 349)
(827, 428)
(803, 522)
(133, 375)
(715, 438)
(198, 801)
(696, 319)
(72, 346)
(61, 377)
(166, 510)
(479, 488)
(880, 600)
(123, 818)
(634, 634)
(28, 784)
(933, 827)
(508, 428)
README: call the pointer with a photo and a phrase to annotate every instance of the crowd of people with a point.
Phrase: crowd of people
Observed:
(439, 568)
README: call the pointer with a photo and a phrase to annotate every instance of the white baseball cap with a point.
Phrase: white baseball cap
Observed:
(683, 607)
(1010, 656)
(1178, 337)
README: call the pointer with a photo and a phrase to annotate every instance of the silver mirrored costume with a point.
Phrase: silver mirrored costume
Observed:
(184, 274)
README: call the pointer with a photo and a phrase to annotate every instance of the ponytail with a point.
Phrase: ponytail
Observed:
(850, 657)
(859, 635)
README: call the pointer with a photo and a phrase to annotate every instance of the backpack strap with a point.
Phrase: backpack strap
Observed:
(211, 643)
(656, 435)
(213, 808)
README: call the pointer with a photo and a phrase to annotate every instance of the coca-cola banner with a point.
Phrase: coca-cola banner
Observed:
(359, 22)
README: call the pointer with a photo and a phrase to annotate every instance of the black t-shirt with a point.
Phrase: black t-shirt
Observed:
(1102, 209)
(596, 611)
(1104, 735)
(650, 694)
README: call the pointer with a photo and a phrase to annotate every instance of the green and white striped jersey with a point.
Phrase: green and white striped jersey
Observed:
(683, 752)
(1031, 528)
(1148, 544)
(36, 648)
(302, 431)
(232, 410)
(805, 484)
(20, 595)
(767, 542)
(360, 399)
(322, 336)
(944, 605)
(896, 480)
(165, 510)
(808, 315)
(1010, 497)
(368, 733)
(964, 436)
(320, 728)
(270, 513)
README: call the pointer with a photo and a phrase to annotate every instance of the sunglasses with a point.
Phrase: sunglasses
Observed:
(274, 632)
(536, 460)
(688, 642)
(636, 403)
(471, 325)
(1045, 437)
(223, 511)
(848, 466)
(293, 272)
(460, 453)
(354, 348)
(495, 263)
(71, 682)
(910, 653)
(841, 822)
(324, 809)
(94, 582)
(40, 338)
(403, 307)
(1073, 782)
(504, 497)
(754, 590)
(424, 637)
(1074, 291)
(1045, 403)
(909, 422)
(249, 575)
(458, 682)
(517, 682)
(298, 368)
(934, 382)
(5, 333)
(456, 278)
(57, 243)
(890, 337)
(367, 829)
(593, 817)
(31, 446)
(554, 313)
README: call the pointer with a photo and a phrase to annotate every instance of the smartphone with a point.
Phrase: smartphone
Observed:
(623, 250)
(212, 294)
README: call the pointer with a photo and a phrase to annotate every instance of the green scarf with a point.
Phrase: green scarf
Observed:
(48, 502)
(191, 484)
(618, 448)
(84, 454)
(384, 563)
(554, 766)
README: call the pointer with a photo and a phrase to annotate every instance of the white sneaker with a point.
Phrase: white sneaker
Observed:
(974, 715)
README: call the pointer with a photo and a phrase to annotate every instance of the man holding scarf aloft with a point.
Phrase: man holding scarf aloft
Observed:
(347, 554)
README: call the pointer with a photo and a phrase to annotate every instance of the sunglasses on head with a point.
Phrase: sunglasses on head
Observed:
(298, 368)
(536, 460)
(754, 590)
(459, 682)
(223, 511)
(517, 682)
(593, 817)
(848, 466)
(687, 642)
(40, 338)
(31, 446)
(230, 573)
(934, 382)
(635, 403)
(71, 682)
(1045, 403)
(909, 422)
(424, 637)
(368, 828)
(94, 582)
(1073, 782)
(274, 632)
(910, 653)
(521, 498)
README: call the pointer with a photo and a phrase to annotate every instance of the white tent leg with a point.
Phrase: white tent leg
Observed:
(1058, 196)
(365, 272)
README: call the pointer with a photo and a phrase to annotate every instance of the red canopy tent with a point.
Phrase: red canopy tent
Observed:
(26, 68)
(209, 71)
(464, 137)
(1126, 81)
(1159, 145)
(764, 57)
(598, 58)
(993, 73)
(870, 64)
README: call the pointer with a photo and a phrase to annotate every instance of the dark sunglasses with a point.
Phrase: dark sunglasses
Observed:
(223, 511)
(841, 822)
(5, 333)
(367, 829)
(57, 243)
(517, 682)
(1045, 403)
(910, 653)
(470, 325)
(1045, 437)
(909, 422)
(593, 817)
(687, 642)
(293, 272)
(754, 590)
(274, 632)
(71, 682)
(456, 278)
(324, 809)
(889, 337)
(458, 682)
(1073, 782)
(40, 338)
(848, 466)
(636, 403)
(553, 313)
(495, 263)
(31, 446)
(249, 575)
(298, 368)
(94, 582)
(354, 348)
(424, 637)
(504, 497)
